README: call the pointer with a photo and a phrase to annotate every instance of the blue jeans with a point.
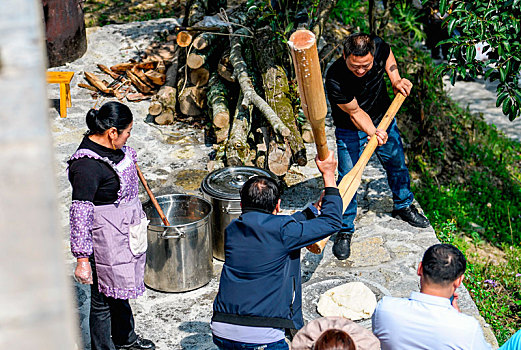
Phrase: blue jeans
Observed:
(350, 144)
(226, 344)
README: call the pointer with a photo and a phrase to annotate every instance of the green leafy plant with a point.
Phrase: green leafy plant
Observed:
(408, 18)
(496, 23)
(352, 13)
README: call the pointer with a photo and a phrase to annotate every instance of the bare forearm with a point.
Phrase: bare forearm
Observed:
(392, 68)
(363, 122)
(329, 180)
(399, 84)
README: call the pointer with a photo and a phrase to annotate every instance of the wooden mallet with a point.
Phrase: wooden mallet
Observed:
(309, 77)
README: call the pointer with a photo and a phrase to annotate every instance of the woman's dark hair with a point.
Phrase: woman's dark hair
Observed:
(443, 264)
(358, 44)
(334, 339)
(110, 115)
(260, 192)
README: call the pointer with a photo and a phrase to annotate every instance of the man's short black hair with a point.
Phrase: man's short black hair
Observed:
(358, 44)
(260, 192)
(443, 264)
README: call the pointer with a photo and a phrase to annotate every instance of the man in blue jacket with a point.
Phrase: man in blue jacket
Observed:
(260, 288)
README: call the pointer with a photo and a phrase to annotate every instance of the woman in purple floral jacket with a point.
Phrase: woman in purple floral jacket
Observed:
(108, 227)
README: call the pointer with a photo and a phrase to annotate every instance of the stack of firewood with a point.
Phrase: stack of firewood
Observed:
(134, 81)
(233, 77)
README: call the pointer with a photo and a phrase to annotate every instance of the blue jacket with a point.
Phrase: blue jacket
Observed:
(260, 282)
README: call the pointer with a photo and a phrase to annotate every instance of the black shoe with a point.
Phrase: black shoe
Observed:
(342, 245)
(139, 344)
(411, 216)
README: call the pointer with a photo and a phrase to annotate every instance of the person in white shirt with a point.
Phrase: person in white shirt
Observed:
(430, 319)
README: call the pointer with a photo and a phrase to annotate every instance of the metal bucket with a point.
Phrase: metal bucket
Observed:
(179, 257)
(221, 187)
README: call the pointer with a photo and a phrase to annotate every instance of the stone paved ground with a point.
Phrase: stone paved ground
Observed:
(173, 158)
(480, 97)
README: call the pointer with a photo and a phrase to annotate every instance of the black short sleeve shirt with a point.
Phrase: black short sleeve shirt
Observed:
(370, 90)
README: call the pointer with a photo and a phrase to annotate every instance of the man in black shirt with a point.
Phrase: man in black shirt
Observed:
(357, 93)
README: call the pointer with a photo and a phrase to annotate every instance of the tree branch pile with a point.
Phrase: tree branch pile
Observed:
(233, 75)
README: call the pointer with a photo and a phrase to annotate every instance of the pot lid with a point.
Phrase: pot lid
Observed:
(226, 183)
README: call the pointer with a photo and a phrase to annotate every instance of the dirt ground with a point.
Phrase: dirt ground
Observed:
(103, 12)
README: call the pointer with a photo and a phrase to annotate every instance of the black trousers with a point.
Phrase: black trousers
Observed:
(111, 320)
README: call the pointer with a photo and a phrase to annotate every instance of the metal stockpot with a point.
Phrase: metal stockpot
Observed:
(179, 257)
(221, 187)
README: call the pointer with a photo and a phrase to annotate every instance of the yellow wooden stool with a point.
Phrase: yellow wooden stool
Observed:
(64, 79)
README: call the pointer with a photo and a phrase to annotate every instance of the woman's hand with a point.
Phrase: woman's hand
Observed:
(83, 272)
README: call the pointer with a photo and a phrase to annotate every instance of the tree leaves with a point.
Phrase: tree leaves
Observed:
(498, 25)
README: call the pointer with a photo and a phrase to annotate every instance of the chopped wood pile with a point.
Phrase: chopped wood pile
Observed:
(232, 76)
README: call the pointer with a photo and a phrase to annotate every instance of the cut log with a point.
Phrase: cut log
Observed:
(276, 89)
(204, 40)
(163, 106)
(225, 68)
(155, 108)
(165, 118)
(200, 76)
(237, 149)
(250, 96)
(192, 100)
(218, 102)
(138, 83)
(183, 38)
(167, 97)
(156, 77)
(279, 158)
(142, 77)
(97, 83)
(221, 135)
(197, 58)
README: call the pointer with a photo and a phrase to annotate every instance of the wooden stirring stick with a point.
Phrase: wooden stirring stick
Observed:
(152, 197)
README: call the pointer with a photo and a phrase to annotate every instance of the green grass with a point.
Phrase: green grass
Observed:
(495, 288)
